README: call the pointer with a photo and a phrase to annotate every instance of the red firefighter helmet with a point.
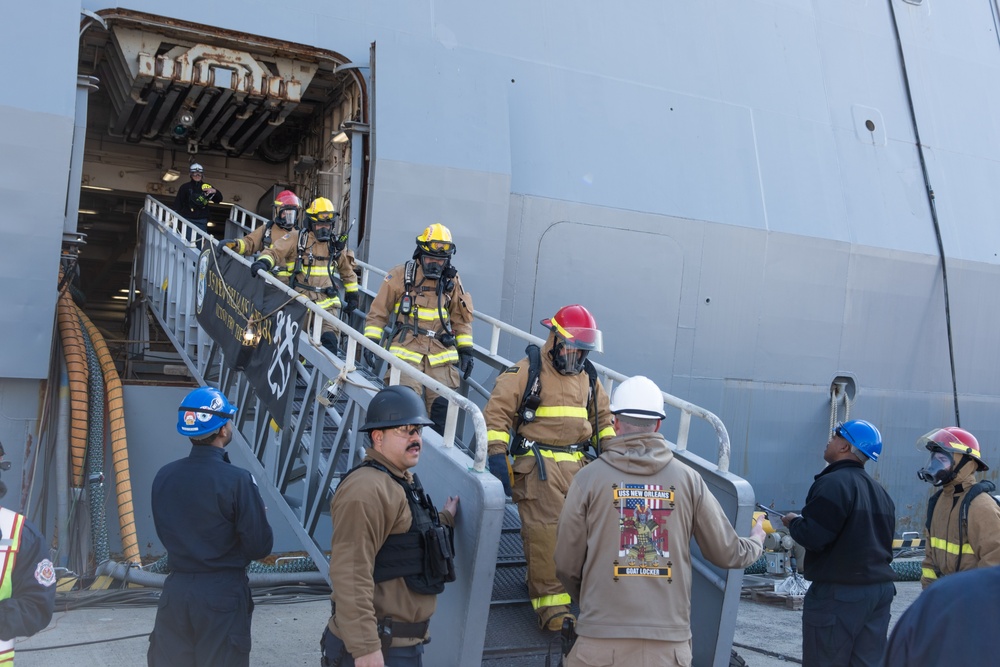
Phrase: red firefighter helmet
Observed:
(576, 327)
(954, 440)
(575, 335)
(286, 209)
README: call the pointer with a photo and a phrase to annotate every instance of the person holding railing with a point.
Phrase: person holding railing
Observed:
(313, 258)
(623, 545)
(194, 197)
(284, 214)
(556, 408)
(391, 552)
(426, 315)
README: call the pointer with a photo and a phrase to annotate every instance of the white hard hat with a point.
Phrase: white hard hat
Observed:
(638, 397)
(196, 167)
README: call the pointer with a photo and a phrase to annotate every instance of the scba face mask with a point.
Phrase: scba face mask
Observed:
(939, 470)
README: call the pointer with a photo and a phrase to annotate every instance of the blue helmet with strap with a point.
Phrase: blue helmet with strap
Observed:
(862, 435)
(203, 411)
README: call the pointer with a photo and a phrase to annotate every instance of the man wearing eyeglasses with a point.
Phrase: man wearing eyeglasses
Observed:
(391, 551)
(846, 527)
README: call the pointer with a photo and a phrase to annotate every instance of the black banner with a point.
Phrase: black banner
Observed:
(228, 297)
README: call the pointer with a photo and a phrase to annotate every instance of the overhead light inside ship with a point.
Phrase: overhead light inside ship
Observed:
(119, 298)
(96, 187)
(341, 138)
(87, 211)
(170, 175)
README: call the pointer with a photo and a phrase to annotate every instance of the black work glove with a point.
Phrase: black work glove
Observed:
(257, 266)
(465, 363)
(350, 302)
(229, 243)
(498, 466)
(370, 359)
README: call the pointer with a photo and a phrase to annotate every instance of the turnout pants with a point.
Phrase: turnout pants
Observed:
(845, 625)
(539, 504)
(202, 620)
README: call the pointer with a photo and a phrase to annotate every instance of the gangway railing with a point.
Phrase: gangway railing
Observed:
(299, 466)
(372, 276)
(302, 462)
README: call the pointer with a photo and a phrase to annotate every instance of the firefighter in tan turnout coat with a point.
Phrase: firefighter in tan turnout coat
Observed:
(426, 316)
(554, 417)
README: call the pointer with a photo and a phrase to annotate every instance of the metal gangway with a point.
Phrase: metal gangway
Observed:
(299, 466)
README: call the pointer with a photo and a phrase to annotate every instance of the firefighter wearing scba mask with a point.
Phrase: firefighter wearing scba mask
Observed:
(27, 578)
(555, 414)
(426, 316)
(963, 519)
(281, 228)
(313, 258)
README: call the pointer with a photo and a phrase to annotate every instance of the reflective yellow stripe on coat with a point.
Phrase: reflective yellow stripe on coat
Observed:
(950, 547)
(10, 528)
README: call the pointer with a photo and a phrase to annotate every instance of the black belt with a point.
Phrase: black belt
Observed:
(572, 449)
(388, 628)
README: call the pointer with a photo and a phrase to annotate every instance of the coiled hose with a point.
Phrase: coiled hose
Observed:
(906, 570)
(95, 457)
(71, 336)
(119, 444)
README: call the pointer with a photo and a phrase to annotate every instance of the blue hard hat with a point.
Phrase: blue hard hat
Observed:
(203, 411)
(862, 435)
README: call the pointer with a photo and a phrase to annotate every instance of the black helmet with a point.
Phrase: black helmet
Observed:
(397, 405)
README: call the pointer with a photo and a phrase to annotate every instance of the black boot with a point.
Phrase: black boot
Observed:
(329, 340)
(439, 412)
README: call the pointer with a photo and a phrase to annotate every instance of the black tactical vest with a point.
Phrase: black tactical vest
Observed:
(424, 555)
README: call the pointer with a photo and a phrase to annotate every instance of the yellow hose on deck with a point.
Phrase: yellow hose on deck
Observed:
(75, 351)
(119, 446)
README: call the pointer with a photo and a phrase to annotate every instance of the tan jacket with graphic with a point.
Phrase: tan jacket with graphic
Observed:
(622, 548)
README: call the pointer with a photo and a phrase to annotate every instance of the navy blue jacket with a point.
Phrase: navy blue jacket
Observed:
(33, 591)
(953, 622)
(209, 514)
(846, 527)
(191, 203)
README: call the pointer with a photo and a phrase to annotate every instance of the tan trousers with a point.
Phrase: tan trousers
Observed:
(539, 504)
(592, 652)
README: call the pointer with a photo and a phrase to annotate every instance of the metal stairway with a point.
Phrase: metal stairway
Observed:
(299, 466)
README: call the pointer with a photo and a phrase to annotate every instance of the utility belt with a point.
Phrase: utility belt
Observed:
(389, 628)
(541, 451)
(446, 337)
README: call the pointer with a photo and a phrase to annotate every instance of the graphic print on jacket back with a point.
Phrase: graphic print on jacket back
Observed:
(642, 525)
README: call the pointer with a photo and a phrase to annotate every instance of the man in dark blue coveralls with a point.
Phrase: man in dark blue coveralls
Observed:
(210, 517)
(846, 527)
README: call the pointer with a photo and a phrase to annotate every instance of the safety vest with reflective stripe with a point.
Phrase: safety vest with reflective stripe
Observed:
(10, 528)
